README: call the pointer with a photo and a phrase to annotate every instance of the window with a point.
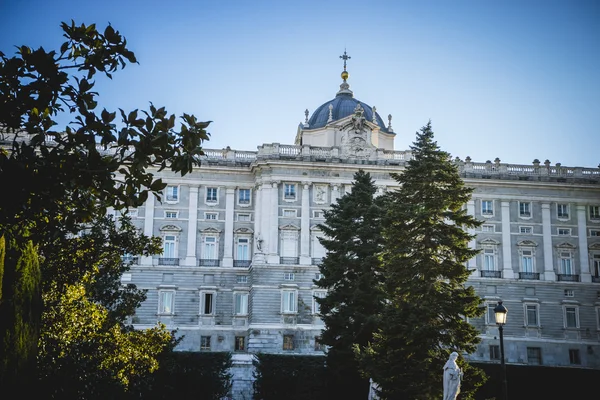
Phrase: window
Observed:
(318, 214)
(574, 358)
(288, 342)
(562, 211)
(318, 295)
(289, 243)
(494, 352)
(211, 216)
(242, 279)
(240, 301)
(569, 293)
(169, 246)
(564, 232)
(244, 196)
(534, 355)
(527, 230)
(204, 342)
(288, 301)
(596, 265)
(566, 264)
(594, 232)
(166, 301)
(171, 214)
(531, 315)
(487, 207)
(489, 259)
(571, 317)
(594, 212)
(289, 213)
(211, 194)
(207, 303)
(526, 260)
(244, 217)
(210, 248)
(318, 276)
(491, 315)
(173, 193)
(288, 276)
(132, 212)
(488, 228)
(524, 209)
(240, 343)
(319, 346)
(242, 249)
(289, 191)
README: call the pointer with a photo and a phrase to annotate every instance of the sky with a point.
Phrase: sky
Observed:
(517, 80)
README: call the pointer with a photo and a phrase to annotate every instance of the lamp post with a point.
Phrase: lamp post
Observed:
(500, 312)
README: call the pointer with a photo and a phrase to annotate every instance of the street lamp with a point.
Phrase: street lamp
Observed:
(500, 312)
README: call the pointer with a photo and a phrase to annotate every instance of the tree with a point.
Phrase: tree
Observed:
(424, 274)
(87, 348)
(350, 310)
(61, 178)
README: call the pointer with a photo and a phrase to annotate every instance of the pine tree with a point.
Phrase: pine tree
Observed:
(424, 272)
(352, 238)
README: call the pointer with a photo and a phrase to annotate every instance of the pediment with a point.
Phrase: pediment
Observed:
(315, 228)
(170, 227)
(244, 231)
(210, 229)
(594, 246)
(528, 243)
(289, 227)
(565, 245)
(489, 241)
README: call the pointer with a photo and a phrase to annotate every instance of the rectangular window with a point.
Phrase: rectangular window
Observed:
(132, 212)
(169, 246)
(525, 230)
(571, 317)
(564, 232)
(288, 276)
(166, 301)
(596, 265)
(242, 279)
(488, 228)
(566, 267)
(318, 214)
(534, 355)
(204, 342)
(594, 232)
(240, 303)
(489, 260)
(171, 214)
(569, 293)
(289, 191)
(240, 343)
(318, 276)
(289, 213)
(244, 217)
(288, 301)
(562, 211)
(211, 194)
(574, 358)
(524, 209)
(318, 295)
(244, 196)
(531, 315)
(494, 352)
(210, 248)
(487, 207)
(243, 249)
(594, 212)
(211, 216)
(527, 261)
(288, 342)
(207, 306)
(491, 315)
(173, 193)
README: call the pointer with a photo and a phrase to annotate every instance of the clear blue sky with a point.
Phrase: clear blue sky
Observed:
(516, 80)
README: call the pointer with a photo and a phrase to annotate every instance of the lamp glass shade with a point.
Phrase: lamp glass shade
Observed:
(500, 312)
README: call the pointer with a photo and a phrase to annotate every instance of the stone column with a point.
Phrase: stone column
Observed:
(472, 263)
(192, 233)
(273, 227)
(229, 204)
(305, 226)
(507, 270)
(148, 225)
(584, 257)
(549, 274)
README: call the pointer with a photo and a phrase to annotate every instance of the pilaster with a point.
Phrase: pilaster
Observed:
(305, 226)
(228, 249)
(507, 270)
(148, 225)
(472, 264)
(273, 230)
(190, 259)
(549, 274)
(335, 192)
(584, 257)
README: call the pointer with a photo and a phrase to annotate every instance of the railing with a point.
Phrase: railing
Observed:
(130, 260)
(289, 260)
(491, 274)
(596, 279)
(316, 261)
(168, 261)
(568, 277)
(529, 275)
(241, 263)
(209, 262)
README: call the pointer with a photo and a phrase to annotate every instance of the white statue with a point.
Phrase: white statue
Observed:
(373, 387)
(452, 376)
(259, 242)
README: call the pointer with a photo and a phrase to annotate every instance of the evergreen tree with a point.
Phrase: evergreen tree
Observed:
(352, 238)
(424, 273)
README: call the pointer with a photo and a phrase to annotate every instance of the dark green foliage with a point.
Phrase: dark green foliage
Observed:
(20, 313)
(188, 375)
(290, 377)
(351, 308)
(424, 270)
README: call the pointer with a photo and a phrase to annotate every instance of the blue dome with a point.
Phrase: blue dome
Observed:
(343, 106)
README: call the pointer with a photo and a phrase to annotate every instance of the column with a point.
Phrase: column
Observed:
(273, 230)
(229, 204)
(305, 226)
(148, 225)
(472, 263)
(507, 270)
(192, 232)
(584, 257)
(549, 274)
